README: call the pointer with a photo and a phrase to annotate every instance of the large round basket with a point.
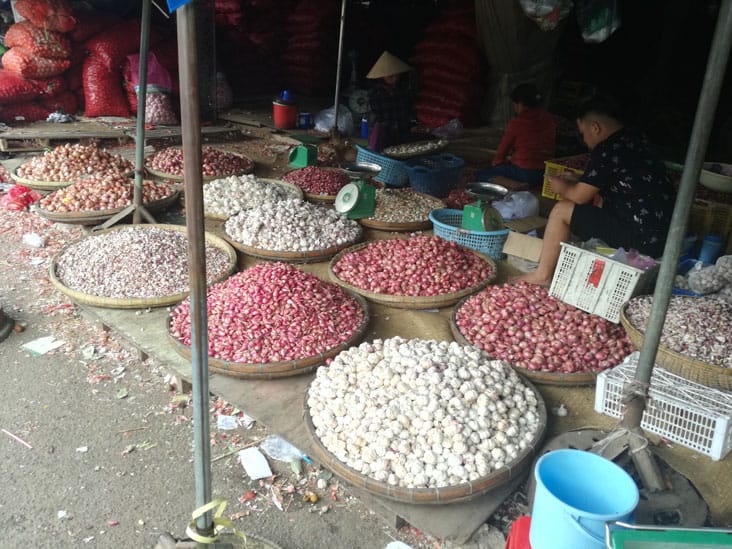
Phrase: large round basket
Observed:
(422, 225)
(411, 302)
(141, 302)
(174, 177)
(294, 190)
(314, 197)
(544, 378)
(94, 217)
(433, 496)
(418, 148)
(700, 372)
(314, 256)
(274, 370)
(38, 185)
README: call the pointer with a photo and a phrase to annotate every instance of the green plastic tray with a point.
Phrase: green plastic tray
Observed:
(645, 537)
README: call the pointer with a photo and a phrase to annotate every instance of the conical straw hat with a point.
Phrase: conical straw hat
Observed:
(387, 65)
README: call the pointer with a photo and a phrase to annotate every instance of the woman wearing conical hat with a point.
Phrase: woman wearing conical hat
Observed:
(391, 101)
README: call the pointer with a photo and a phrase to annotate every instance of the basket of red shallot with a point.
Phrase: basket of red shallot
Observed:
(273, 320)
(215, 163)
(543, 338)
(419, 272)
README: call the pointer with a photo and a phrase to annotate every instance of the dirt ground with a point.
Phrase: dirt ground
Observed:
(97, 445)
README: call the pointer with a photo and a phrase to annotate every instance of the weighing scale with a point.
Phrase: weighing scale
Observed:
(358, 198)
(482, 216)
(303, 156)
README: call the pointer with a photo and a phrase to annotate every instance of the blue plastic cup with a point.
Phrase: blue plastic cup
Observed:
(689, 244)
(711, 246)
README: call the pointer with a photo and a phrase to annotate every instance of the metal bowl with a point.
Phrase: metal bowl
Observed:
(361, 169)
(486, 190)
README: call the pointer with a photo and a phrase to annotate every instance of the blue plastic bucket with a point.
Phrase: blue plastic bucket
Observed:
(576, 493)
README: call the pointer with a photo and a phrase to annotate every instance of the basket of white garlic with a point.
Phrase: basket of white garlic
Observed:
(291, 230)
(422, 421)
(227, 196)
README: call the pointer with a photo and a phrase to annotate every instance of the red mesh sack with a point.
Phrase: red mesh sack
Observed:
(115, 44)
(23, 112)
(52, 15)
(25, 63)
(130, 93)
(65, 102)
(90, 23)
(73, 77)
(50, 87)
(16, 89)
(103, 92)
(49, 44)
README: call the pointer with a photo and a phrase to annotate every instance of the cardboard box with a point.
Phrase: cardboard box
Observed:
(523, 246)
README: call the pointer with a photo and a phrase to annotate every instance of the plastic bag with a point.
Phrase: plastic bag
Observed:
(159, 110)
(546, 13)
(706, 280)
(598, 19)
(281, 450)
(517, 205)
(452, 130)
(18, 198)
(324, 120)
(158, 77)
(724, 265)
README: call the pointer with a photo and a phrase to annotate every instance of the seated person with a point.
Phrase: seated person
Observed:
(391, 102)
(530, 139)
(624, 197)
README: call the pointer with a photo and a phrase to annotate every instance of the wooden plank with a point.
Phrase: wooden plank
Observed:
(71, 130)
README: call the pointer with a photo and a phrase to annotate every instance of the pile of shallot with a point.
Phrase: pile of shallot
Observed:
(316, 180)
(134, 262)
(421, 413)
(292, 226)
(404, 206)
(272, 312)
(102, 192)
(70, 162)
(419, 266)
(233, 194)
(214, 162)
(700, 328)
(524, 325)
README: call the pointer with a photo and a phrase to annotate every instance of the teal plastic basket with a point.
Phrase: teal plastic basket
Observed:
(435, 175)
(446, 224)
(393, 172)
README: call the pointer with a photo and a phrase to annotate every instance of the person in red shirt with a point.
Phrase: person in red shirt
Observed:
(529, 140)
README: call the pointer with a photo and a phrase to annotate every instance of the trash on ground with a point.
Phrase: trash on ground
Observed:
(34, 240)
(227, 423)
(254, 463)
(61, 515)
(123, 393)
(82, 449)
(278, 448)
(42, 345)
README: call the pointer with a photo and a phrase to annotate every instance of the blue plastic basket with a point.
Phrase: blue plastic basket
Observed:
(446, 225)
(436, 174)
(393, 172)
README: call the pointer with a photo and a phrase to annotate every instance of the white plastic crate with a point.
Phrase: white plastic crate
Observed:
(597, 284)
(679, 410)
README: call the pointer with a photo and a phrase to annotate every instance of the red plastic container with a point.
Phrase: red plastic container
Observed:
(284, 114)
(518, 537)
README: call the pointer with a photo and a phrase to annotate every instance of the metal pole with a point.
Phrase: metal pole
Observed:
(141, 97)
(338, 67)
(191, 130)
(713, 79)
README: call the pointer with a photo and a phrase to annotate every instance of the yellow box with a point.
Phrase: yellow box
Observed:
(557, 167)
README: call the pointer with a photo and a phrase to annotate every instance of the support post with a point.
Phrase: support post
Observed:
(338, 67)
(191, 131)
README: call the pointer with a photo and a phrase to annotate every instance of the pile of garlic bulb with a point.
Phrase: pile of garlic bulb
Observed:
(230, 195)
(292, 226)
(421, 413)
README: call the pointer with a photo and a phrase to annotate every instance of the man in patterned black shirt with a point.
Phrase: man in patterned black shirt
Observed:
(624, 196)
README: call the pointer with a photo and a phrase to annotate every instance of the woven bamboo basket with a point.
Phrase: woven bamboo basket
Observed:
(141, 302)
(544, 378)
(411, 302)
(174, 177)
(93, 217)
(314, 197)
(314, 256)
(422, 225)
(276, 370)
(39, 185)
(293, 189)
(704, 373)
(433, 496)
